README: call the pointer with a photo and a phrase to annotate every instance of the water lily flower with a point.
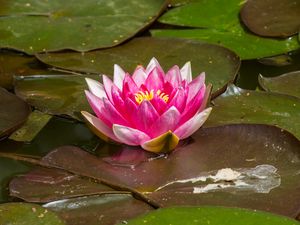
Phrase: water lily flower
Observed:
(150, 109)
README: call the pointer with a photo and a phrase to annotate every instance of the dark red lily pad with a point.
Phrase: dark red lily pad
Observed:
(95, 210)
(13, 112)
(272, 18)
(284, 84)
(45, 185)
(168, 180)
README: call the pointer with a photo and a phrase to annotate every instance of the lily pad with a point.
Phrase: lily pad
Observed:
(285, 84)
(45, 185)
(54, 94)
(34, 27)
(210, 215)
(272, 18)
(16, 64)
(265, 157)
(13, 112)
(34, 124)
(221, 25)
(24, 213)
(252, 107)
(220, 64)
(95, 210)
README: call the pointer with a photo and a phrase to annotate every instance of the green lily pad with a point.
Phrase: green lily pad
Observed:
(24, 213)
(45, 185)
(13, 112)
(34, 124)
(54, 94)
(188, 176)
(221, 25)
(285, 84)
(95, 210)
(210, 215)
(220, 64)
(16, 64)
(33, 27)
(272, 18)
(242, 106)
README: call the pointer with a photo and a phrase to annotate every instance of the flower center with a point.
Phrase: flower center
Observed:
(146, 95)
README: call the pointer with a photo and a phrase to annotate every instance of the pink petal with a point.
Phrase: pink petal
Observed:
(117, 98)
(195, 86)
(107, 83)
(186, 72)
(179, 100)
(112, 115)
(130, 112)
(119, 75)
(193, 106)
(146, 116)
(167, 121)
(155, 80)
(139, 76)
(129, 86)
(96, 88)
(130, 136)
(173, 76)
(100, 126)
(192, 125)
(97, 106)
(159, 104)
(152, 64)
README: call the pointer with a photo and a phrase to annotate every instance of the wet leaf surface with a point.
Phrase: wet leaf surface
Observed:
(13, 112)
(210, 215)
(284, 84)
(94, 210)
(175, 179)
(221, 26)
(24, 213)
(55, 94)
(237, 106)
(34, 124)
(45, 185)
(33, 27)
(16, 64)
(219, 64)
(272, 18)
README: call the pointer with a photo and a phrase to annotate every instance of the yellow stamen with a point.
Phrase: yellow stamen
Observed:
(141, 96)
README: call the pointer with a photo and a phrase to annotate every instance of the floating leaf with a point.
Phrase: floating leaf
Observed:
(54, 94)
(35, 122)
(24, 213)
(285, 84)
(34, 27)
(272, 18)
(266, 157)
(210, 215)
(45, 185)
(13, 112)
(242, 106)
(221, 26)
(95, 210)
(220, 64)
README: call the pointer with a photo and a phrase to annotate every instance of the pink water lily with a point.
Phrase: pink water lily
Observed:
(150, 108)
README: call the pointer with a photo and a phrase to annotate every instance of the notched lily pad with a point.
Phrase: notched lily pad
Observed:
(24, 213)
(272, 18)
(284, 84)
(95, 210)
(221, 25)
(210, 215)
(220, 64)
(34, 27)
(54, 94)
(45, 185)
(13, 112)
(254, 166)
(237, 106)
